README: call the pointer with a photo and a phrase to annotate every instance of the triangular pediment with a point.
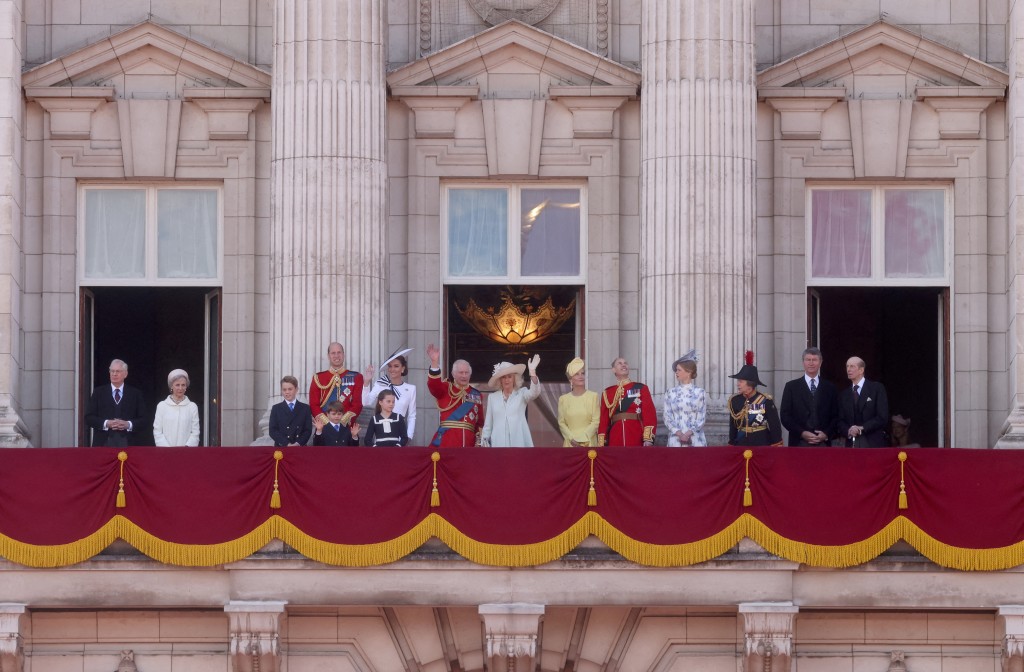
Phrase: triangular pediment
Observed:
(170, 60)
(514, 58)
(882, 58)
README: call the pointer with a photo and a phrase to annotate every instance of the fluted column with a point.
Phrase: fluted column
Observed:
(327, 257)
(697, 189)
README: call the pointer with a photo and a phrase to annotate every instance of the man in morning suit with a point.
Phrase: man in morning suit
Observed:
(809, 405)
(116, 412)
(628, 416)
(863, 409)
(291, 423)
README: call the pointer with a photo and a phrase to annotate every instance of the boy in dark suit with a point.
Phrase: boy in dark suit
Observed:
(334, 432)
(291, 423)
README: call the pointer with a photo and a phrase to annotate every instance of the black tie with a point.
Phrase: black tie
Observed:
(117, 396)
(856, 392)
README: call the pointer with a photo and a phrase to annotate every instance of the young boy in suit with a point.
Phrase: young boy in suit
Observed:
(291, 423)
(333, 432)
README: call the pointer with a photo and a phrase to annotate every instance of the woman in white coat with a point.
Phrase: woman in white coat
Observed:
(392, 371)
(177, 419)
(505, 422)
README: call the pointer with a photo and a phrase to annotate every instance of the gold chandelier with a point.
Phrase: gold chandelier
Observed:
(516, 325)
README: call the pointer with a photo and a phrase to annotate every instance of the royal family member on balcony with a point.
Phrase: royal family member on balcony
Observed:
(578, 410)
(386, 428)
(336, 384)
(628, 416)
(460, 404)
(177, 419)
(115, 411)
(686, 405)
(809, 405)
(290, 421)
(335, 432)
(755, 420)
(389, 377)
(506, 424)
(863, 409)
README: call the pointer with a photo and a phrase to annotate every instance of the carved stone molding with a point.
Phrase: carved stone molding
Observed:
(593, 108)
(494, 12)
(1012, 617)
(12, 624)
(960, 108)
(768, 635)
(801, 110)
(254, 628)
(70, 108)
(896, 663)
(511, 632)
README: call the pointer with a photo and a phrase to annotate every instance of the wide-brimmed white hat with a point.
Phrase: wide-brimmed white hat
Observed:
(503, 369)
(393, 356)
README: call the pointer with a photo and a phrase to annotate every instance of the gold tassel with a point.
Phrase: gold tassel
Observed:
(275, 496)
(435, 496)
(123, 457)
(903, 486)
(592, 494)
(748, 498)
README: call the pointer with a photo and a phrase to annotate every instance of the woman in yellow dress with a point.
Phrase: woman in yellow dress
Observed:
(578, 411)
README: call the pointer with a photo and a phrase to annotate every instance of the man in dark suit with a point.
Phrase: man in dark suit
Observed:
(116, 412)
(291, 422)
(863, 409)
(809, 405)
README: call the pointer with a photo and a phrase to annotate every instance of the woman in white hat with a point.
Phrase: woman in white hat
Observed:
(390, 378)
(686, 405)
(505, 423)
(177, 419)
(578, 411)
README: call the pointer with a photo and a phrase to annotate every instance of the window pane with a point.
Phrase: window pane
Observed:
(550, 230)
(115, 233)
(187, 233)
(914, 244)
(841, 233)
(477, 232)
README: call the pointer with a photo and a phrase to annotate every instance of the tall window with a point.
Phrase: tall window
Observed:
(150, 234)
(880, 235)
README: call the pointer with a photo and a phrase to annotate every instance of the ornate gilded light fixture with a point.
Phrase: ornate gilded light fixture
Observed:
(516, 323)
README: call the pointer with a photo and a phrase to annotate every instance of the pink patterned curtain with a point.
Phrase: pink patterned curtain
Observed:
(841, 233)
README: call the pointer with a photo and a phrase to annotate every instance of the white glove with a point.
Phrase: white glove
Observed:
(534, 361)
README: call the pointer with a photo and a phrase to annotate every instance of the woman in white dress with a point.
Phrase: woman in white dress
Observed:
(505, 422)
(177, 419)
(686, 405)
(391, 378)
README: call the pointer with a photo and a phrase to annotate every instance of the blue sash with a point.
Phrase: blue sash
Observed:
(457, 416)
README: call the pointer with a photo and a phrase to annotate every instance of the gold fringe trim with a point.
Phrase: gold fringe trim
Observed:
(505, 555)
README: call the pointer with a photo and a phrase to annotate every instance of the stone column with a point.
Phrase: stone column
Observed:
(511, 632)
(328, 200)
(255, 629)
(697, 191)
(12, 625)
(1012, 618)
(13, 431)
(768, 636)
(1012, 435)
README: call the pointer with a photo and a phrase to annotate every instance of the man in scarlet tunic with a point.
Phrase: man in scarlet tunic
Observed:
(461, 405)
(336, 384)
(628, 416)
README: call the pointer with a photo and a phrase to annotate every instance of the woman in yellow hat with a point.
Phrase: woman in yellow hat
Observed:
(578, 410)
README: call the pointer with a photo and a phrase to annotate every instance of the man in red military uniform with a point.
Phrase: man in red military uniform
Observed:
(628, 416)
(461, 405)
(336, 384)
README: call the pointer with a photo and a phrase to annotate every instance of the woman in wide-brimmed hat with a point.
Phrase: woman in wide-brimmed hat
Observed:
(390, 376)
(686, 405)
(505, 420)
(578, 411)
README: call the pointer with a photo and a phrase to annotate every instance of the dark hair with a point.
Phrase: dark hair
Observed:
(380, 397)
(812, 351)
(291, 380)
(687, 364)
(405, 364)
(336, 406)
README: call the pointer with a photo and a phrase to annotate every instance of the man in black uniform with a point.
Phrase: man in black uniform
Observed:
(754, 418)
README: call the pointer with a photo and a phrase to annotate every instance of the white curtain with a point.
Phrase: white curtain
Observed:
(477, 232)
(187, 233)
(550, 231)
(841, 233)
(914, 240)
(115, 233)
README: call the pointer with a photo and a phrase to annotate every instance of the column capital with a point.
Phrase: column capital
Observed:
(768, 635)
(1012, 617)
(511, 631)
(12, 624)
(254, 628)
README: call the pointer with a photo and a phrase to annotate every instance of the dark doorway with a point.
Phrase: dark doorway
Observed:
(901, 333)
(154, 330)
